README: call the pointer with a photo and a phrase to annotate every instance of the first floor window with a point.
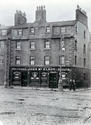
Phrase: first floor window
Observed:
(75, 60)
(20, 32)
(48, 29)
(32, 30)
(47, 44)
(32, 45)
(46, 60)
(17, 60)
(62, 60)
(18, 45)
(32, 60)
(84, 62)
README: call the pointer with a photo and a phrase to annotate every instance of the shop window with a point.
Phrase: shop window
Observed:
(32, 30)
(32, 45)
(84, 49)
(56, 30)
(63, 29)
(48, 29)
(18, 45)
(46, 60)
(17, 60)
(32, 60)
(47, 44)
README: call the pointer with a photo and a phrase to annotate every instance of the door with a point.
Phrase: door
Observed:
(24, 78)
(53, 80)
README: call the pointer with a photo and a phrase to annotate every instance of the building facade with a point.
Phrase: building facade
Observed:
(38, 51)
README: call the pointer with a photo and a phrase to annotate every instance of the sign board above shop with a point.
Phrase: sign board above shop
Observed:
(35, 68)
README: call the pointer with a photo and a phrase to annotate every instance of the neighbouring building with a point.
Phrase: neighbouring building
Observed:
(37, 51)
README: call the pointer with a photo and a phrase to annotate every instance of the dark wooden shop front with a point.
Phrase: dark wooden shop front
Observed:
(35, 76)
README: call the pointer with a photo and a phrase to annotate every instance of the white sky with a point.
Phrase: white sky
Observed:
(57, 10)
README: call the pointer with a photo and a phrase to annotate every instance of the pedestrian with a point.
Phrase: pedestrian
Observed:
(72, 85)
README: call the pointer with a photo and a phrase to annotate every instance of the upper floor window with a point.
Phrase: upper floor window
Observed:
(56, 30)
(48, 29)
(4, 32)
(84, 34)
(46, 60)
(32, 60)
(76, 45)
(47, 44)
(75, 60)
(63, 45)
(84, 62)
(32, 30)
(17, 60)
(20, 32)
(18, 45)
(32, 45)
(63, 29)
(84, 49)
(2, 44)
(62, 60)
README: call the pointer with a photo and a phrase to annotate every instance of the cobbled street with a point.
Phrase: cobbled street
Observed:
(31, 106)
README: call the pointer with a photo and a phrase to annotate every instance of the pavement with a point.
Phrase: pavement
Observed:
(43, 106)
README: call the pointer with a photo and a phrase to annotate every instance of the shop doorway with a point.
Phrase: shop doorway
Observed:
(53, 81)
(24, 78)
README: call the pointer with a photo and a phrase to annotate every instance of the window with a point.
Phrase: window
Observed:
(32, 45)
(1, 60)
(47, 44)
(32, 60)
(75, 60)
(4, 32)
(31, 29)
(62, 60)
(84, 34)
(20, 32)
(2, 44)
(63, 29)
(14, 32)
(84, 62)
(84, 76)
(18, 45)
(48, 29)
(56, 30)
(76, 45)
(46, 60)
(63, 45)
(84, 49)
(17, 60)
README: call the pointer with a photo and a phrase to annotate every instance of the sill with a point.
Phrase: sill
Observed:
(32, 49)
(47, 48)
(18, 49)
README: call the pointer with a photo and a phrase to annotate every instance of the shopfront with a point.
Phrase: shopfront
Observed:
(35, 76)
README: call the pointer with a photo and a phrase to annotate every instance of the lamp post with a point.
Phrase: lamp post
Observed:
(60, 84)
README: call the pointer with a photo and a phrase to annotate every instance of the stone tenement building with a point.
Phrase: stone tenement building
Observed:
(37, 51)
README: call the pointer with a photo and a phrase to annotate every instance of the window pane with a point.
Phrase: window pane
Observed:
(20, 32)
(56, 30)
(47, 60)
(63, 29)
(18, 60)
(32, 45)
(48, 29)
(18, 45)
(31, 30)
(32, 60)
